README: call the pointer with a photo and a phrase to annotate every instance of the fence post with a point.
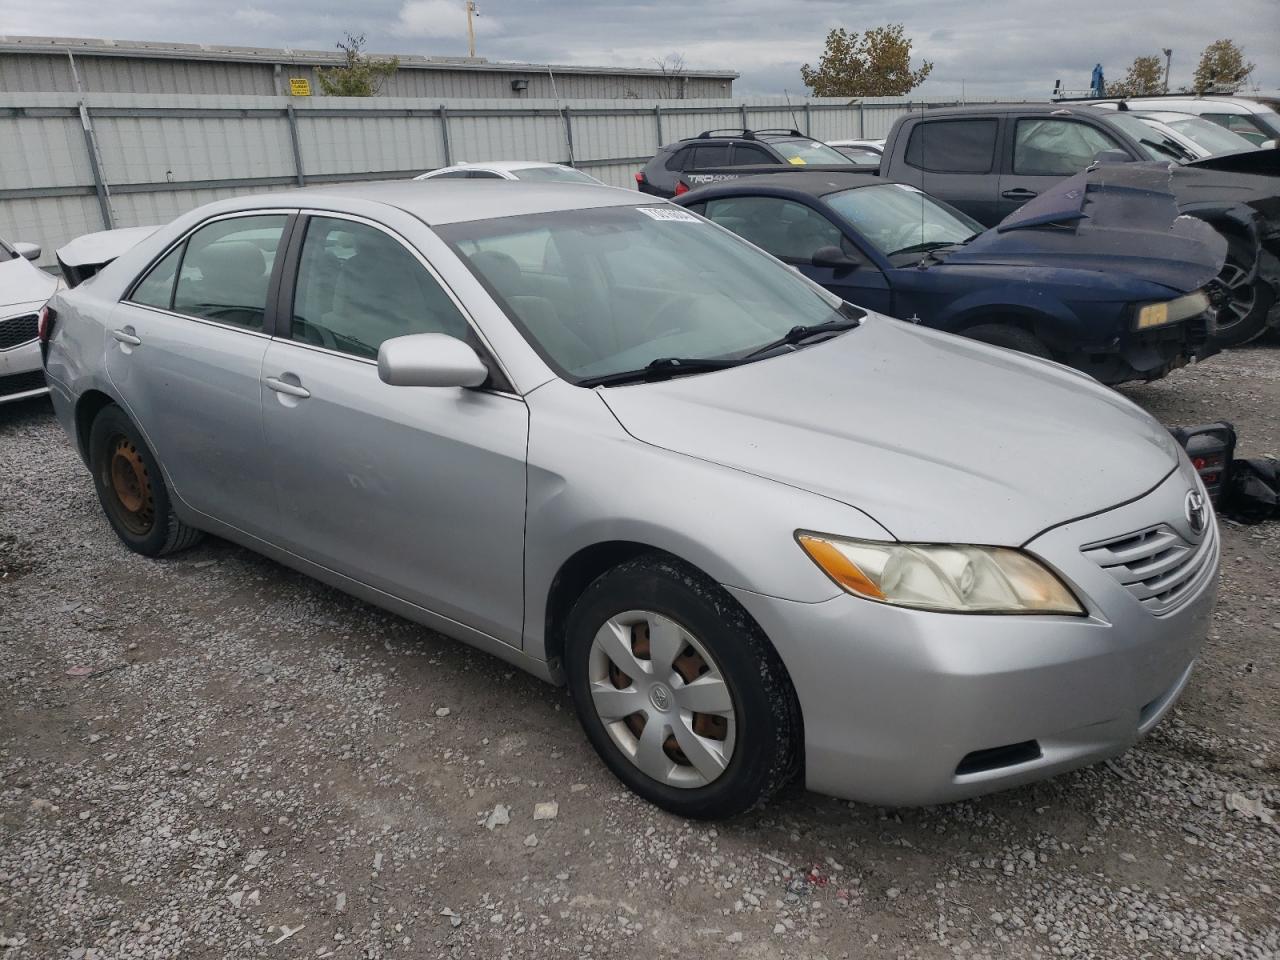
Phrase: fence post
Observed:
(743, 107)
(99, 182)
(861, 124)
(292, 116)
(808, 121)
(568, 136)
(444, 133)
(657, 120)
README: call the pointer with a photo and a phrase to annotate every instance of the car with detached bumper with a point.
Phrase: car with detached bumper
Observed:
(24, 288)
(760, 533)
(1101, 276)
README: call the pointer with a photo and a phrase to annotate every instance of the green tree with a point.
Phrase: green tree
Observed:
(876, 63)
(1222, 68)
(359, 75)
(1144, 78)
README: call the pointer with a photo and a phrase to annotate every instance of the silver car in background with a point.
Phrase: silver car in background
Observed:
(24, 289)
(759, 532)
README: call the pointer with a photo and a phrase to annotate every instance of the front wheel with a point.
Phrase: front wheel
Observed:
(1246, 302)
(131, 488)
(679, 691)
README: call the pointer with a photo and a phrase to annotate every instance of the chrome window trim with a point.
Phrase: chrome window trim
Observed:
(155, 261)
(190, 319)
(422, 260)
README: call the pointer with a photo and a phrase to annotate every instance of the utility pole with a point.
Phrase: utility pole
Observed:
(472, 13)
(1168, 59)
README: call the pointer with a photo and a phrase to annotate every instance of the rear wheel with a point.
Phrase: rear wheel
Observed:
(679, 691)
(1010, 337)
(131, 488)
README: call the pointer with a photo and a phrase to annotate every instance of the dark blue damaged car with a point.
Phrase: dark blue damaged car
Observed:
(1099, 273)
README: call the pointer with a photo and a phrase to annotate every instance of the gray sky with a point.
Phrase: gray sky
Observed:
(1002, 48)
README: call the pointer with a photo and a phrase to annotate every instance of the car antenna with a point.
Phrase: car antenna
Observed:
(795, 124)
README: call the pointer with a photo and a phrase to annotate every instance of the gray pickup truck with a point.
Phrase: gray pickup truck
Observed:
(989, 159)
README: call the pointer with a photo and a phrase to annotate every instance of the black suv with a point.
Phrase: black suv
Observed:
(717, 149)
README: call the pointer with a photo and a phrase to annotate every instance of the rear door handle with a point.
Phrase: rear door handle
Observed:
(1018, 194)
(127, 336)
(288, 389)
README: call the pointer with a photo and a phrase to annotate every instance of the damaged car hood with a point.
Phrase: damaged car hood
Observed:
(936, 437)
(1117, 218)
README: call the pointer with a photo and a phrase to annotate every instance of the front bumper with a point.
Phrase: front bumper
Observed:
(907, 708)
(21, 374)
(1145, 354)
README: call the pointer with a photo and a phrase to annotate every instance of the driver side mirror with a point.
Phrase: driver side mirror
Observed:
(833, 257)
(28, 251)
(430, 360)
(1111, 156)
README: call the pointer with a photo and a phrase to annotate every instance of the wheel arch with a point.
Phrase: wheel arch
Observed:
(88, 406)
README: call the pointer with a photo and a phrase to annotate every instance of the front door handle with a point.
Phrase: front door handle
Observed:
(127, 336)
(1018, 193)
(288, 389)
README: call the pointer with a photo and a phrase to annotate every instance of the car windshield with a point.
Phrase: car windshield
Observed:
(1154, 144)
(802, 151)
(862, 156)
(565, 174)
(607, 290)
(1209, 135)
(898, 219)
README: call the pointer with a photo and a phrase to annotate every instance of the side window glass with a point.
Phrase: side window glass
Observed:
(710, 155)
(788, 230)
(1051, 147)
(953, 146)
(680, 159)
(1241, 125)
(358, 286)
(744, 154)
(227, 268)
(485, 175)
(452, 175)
(156, 288)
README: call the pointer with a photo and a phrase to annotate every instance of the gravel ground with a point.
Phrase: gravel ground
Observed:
(212, 756)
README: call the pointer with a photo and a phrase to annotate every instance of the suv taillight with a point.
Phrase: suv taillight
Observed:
(640, 177)
(681, 187)
(44, 326)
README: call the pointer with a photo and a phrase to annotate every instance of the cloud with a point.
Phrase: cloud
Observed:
(1011, 49)
(441, 19)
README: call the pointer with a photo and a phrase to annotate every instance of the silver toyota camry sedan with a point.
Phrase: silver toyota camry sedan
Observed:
(760, 533)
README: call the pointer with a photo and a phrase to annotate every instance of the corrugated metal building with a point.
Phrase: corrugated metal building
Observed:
(42, 65)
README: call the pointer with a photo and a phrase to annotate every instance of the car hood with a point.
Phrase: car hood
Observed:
(936, 437)
(22, 282)
(1115, 218)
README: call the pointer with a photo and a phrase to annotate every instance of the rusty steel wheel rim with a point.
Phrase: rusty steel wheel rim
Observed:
(130, 486)
(662, 699)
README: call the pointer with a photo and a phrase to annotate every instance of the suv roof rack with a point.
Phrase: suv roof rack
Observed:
(743, 132)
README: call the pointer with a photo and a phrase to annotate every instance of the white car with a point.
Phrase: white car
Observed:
(862, 152)
(511, 170)
(24, 289)
(1254, 121)
(1195, 136)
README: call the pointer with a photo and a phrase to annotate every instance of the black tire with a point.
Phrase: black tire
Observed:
(766, 716)
(131, 488)
(1243, 314)
(1011, 337)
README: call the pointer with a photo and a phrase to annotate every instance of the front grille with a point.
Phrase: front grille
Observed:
(1157, 565)
(22, 383)
(15, 331)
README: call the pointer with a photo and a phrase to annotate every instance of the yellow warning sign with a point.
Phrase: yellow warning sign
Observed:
(299, 87)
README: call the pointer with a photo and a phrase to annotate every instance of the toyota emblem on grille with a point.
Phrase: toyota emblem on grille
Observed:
(1197, 512)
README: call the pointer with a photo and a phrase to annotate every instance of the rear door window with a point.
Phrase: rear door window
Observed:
(710, 155)
(1054, 147)
(746, 153)
(953, 146)
(226, 270)
(1240, 124)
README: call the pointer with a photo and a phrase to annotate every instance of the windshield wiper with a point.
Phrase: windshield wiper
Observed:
(929, 245)
(663, 368)
(801, 333)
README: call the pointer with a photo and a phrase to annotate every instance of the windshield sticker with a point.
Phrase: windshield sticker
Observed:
(798, 161)
(668, 213)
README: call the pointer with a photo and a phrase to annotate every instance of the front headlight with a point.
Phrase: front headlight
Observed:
(1171, 311)
(949, 577)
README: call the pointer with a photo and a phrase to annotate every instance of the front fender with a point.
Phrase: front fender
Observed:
(590, 482)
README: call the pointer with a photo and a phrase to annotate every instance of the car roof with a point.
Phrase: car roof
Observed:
(508, 165)
(1196, 103)
(1163, 116)
(439, 202)
(1084, 109)
(814, 183)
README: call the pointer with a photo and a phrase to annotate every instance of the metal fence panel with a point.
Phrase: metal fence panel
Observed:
(163, 154)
